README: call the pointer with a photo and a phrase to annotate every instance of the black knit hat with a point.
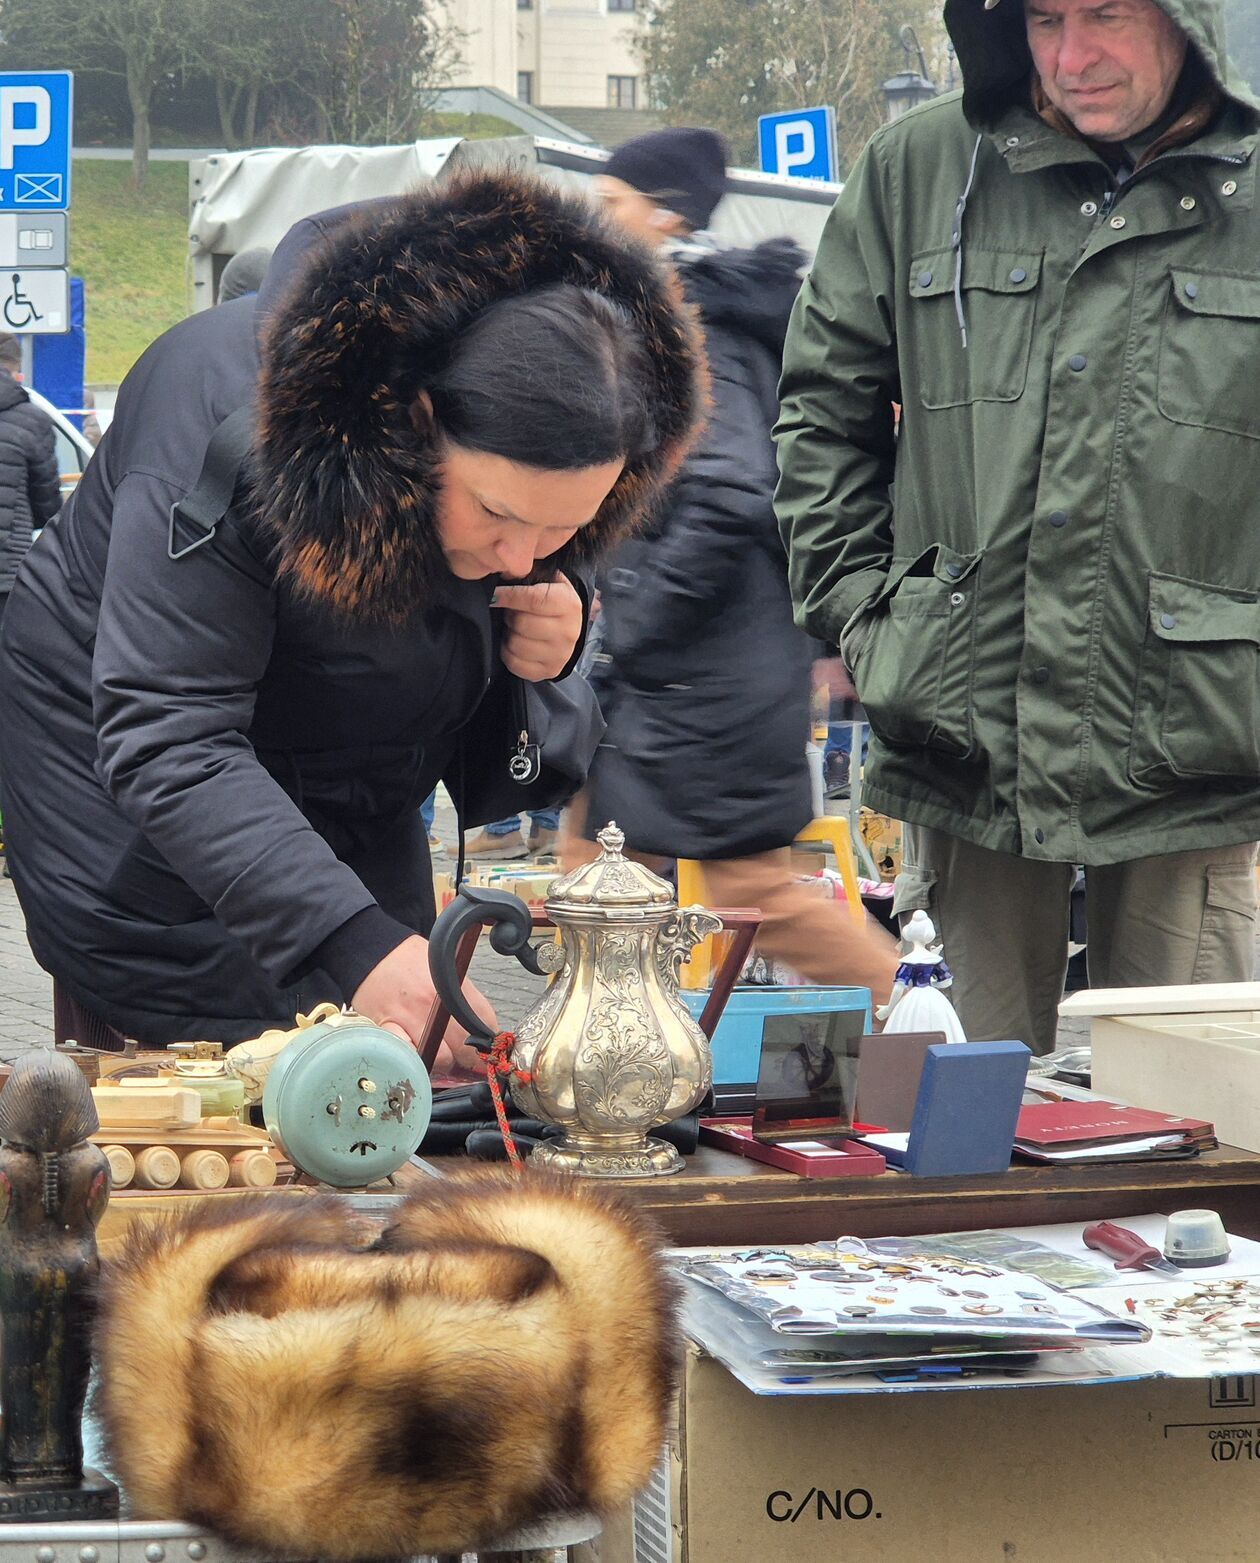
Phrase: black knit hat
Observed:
(682, 169)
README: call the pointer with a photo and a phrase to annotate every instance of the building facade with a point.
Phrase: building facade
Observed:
(555, 54)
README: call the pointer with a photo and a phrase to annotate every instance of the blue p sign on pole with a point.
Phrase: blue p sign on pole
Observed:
(36, 110)
(801, 143)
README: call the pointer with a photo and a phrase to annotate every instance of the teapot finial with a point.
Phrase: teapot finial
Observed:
(611, 839)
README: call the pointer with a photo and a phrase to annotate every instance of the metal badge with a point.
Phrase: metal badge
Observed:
(526, 764)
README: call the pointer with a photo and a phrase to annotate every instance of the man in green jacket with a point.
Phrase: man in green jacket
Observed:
(1053, 617)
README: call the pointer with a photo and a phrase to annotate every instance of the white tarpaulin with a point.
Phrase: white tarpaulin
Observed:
(243, 200)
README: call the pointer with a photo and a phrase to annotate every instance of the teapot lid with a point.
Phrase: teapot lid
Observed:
(611, 880)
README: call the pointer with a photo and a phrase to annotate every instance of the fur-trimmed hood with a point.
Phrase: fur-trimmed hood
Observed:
(345, 486)
(507, 1350)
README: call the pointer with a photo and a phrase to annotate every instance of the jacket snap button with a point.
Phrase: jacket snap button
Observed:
(953, 571)
(1089, 208)
(1041, 675)
(1117, 222)
(1058, 518)
(1192, 290)
(1019, 275)
(925, 279)
(1188, 203)
(1229, 187)
(1077, 362)
(1167, 621)
(956, 599)
(1039, 836)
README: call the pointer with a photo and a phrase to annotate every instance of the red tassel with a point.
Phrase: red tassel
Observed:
(499, 1062)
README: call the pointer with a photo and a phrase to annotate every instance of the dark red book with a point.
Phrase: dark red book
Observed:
(1065, 1124)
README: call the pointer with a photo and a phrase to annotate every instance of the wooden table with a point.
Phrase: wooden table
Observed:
(723, 1198)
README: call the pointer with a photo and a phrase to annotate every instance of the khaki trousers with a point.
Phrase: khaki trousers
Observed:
(1181, 918)
(811, 933)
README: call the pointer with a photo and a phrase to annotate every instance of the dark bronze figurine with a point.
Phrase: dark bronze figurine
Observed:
(54, 1186)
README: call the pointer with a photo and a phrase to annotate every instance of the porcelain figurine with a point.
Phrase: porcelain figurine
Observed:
(917, 1001)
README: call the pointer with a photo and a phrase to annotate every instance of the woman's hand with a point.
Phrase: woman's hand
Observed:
(398, 994)
(542, 626)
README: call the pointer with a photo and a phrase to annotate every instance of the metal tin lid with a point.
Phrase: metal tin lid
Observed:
(611, 881)
(348, 1103)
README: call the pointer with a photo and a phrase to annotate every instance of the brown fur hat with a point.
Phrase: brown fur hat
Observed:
(506, 1351)
(344, 483)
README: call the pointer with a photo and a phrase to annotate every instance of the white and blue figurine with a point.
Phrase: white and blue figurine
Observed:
(917, 1001)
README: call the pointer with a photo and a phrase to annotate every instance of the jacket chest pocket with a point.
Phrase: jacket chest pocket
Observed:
(1208, 350)
(999, 303)
(1197, 711)
(912, 653)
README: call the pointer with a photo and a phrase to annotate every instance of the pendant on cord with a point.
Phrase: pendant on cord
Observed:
(526, 764)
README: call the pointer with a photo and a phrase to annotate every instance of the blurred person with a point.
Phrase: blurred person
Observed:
(334, 545)
(243, 274)
(30, 484)
(703, 678)
(505, 840)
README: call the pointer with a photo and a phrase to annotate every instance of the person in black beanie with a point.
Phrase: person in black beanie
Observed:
(703, 677)
(665, 183)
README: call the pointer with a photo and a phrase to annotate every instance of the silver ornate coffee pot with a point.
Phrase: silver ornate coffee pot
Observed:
(610, 1050)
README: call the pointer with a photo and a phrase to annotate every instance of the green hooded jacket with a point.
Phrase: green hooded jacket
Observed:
(1053, 616)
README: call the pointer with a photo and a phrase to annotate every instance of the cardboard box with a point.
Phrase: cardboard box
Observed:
(1194, 1051)
(1133, 1472)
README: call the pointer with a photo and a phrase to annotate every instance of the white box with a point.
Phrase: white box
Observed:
(1194, 1051)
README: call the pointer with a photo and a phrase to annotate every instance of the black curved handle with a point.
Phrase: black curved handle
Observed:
(511, 925)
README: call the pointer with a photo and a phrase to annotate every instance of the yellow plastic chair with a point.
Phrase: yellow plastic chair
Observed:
(832, 828)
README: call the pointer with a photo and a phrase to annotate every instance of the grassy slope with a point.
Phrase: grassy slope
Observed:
(130, 251)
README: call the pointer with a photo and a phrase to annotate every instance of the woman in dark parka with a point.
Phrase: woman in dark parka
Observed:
(212, 758)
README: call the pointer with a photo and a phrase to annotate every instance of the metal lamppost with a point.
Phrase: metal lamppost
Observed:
(909, 87)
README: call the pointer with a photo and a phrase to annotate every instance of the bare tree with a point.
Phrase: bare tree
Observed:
(143, 41)
(372, 68)
(724, 62)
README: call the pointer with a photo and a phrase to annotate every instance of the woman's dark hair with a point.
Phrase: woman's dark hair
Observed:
(556, 378)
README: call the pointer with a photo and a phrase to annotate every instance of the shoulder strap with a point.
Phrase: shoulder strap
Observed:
(211, 496)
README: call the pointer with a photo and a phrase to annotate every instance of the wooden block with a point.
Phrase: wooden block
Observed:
(147, 1106)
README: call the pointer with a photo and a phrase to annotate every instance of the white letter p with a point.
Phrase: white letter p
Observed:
(794, 145)
(12, 135)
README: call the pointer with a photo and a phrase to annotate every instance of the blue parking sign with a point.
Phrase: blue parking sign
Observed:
(801, 142)
(36, 113)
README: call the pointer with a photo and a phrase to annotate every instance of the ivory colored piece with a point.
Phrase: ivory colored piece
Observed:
(157, 1168)
(153, 1106)
(251, 1061)
(1203, 998)
(122, 1165)
(204, 1170)
(252, 1170)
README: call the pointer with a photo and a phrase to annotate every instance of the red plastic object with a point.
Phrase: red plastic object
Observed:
(1129, 1251)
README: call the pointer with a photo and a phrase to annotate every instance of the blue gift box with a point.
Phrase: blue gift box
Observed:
(737, 1041)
